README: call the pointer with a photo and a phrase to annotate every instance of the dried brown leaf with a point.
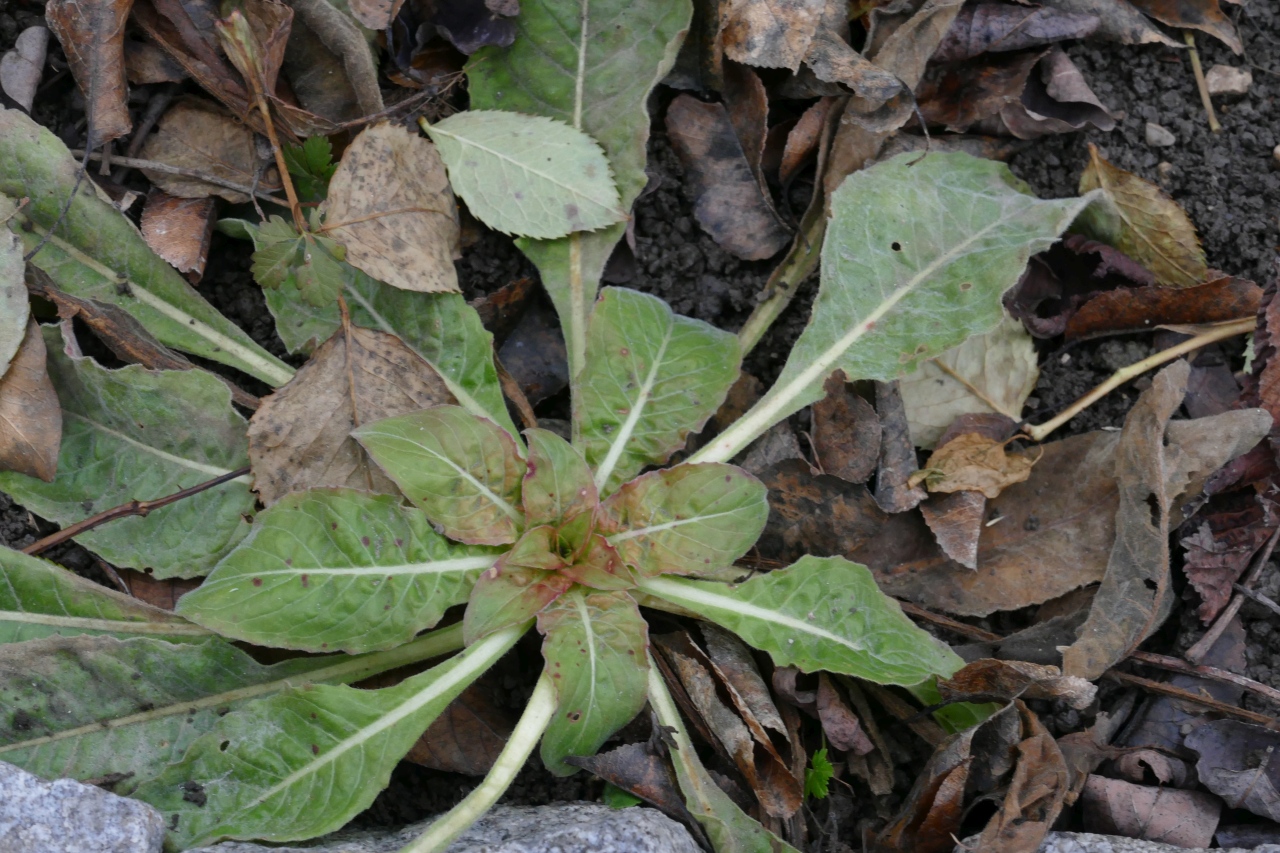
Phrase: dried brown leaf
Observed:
(840, 724)
(846, 432)
(467, 737)
(816, 513)
(199, 135)
(636, 769)
(1035, 796)
(956, 522)
(30, 414)
(145, 63)
(958, 95)
(769, 33)
(1000, 27)
(1218, 300)
(300, 437)
(990, 680)
(834, 61)
(803, 139)
(894, 491)
(329, 63)
(1219, 550)
(1167, 815)
(1237, 762)
(975, 462)
(734, 664)
(729, 202)
(179, 229)
(92, 37)
(391, 206)
(158, 593)
(377, 15)
(1119, 21)
(1203, 15)
(1056, 100)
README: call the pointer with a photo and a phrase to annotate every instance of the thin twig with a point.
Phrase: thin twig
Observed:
(1196, 653)
(1120, 377)
(124, 510)
(513, 392)
(156, 166)
(1187, 696)
(1198, 71)
(1256, 596)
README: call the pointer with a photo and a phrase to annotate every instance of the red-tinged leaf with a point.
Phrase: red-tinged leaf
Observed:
(526, 579)
(559, 484)
(1219, 550)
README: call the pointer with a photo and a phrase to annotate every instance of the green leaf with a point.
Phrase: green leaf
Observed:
(311, 166)
(819, 613)
(98, 254)
(13, 293)
(817, 776)
(523, 581)
(917, 255)
(440, 327)
(527, 174)
(558, 485)
(592, 66)
(88, 707)
(40, 599)
(304, 762)
(336, 570)
(138, 434)
(651, 378)
(686, 520)
(616, 798)
(463, 471)
(596, 650)
(310, 263)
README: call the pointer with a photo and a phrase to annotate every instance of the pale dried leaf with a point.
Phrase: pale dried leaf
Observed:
(956, 522)
(300, 437)
(1167, 815)
(390, 205)
(22, 66)
(30, 415)
(199, 135)
(92, 37)
(972, 462)
(179, 229)
(769, 33)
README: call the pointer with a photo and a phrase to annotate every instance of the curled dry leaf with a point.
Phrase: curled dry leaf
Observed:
(1036, 794)
(22, 66)
(300, 437)
(840, 724)
(999, 27)
(30, 415)
(92, 37)
(1056, 99)
(990, 680)
(179, 229)
(957, 95)
(1204, 15)
(729, 202)
(1237, 762)
(846, 432)
(330, 64)
(834, 61)
(199, 135)
(468, 736)
(1218, 300)
(974, 462)
(995, 372)
(1118, 21)
(803, 139)
(1141, 220)
(391, 207)
(639, 770)
(1166, 815)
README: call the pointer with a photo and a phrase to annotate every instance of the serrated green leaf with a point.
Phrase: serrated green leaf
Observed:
(311, 166)
(527, 174)
(13, 294)
(652, 377)
(687, 519)
(917, 255)
(40, 599)
(591, 66)
(265, 767)
(336, 570)
(97, 253)
(440, 327)
(88, 707)
(596, 651)
(523, 581)
(138, 434)
(309, 263)
(817, 776)
(463, 471)
(558, 485)
(820, 613)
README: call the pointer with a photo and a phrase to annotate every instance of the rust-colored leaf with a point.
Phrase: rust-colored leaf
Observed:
(468, 736)
(300, 437)
(816, 513)
(974, 462)
(803, 139)
(990, 680)
(1035, 795)
(1221, 298)
(179, 229)
(846, 432)
(158, 593)
(92, 37)
(1219, 550)
(956, 522)
(30, 414)
(959, 94)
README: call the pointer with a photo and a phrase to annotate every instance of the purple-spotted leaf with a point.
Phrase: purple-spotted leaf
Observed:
(596, 650)
(522, 582)
(819, 613)
(598, 565)
(558, 485)
(651, 378)
(463, 471)
(686, 520)
(336, 570)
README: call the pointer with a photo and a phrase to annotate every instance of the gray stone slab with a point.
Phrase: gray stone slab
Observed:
(564, 828)
(1087, 842)
(65, 816)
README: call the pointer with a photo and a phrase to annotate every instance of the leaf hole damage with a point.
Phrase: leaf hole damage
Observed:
(896, 246)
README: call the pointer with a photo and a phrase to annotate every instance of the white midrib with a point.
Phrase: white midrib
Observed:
(440, 567)
(633, 417)
(637, 532)
(278, 374)
(117, 626)
(689, 595)
(461, 394)
(484, 490)
(470, 664)
(211, 470)
(777, 403)
(590, 639)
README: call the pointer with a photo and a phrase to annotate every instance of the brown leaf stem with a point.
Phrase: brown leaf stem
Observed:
(1198, 71)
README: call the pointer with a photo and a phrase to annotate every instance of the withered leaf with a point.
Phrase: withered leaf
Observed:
(803, 139)
(747, 104)
(971, 462)
(957, 95)
(377, 15)
(467, 737)
(1118, 20)
(894, 491)
(816, 513)
(769, 33)
(1141, 220)
(729, 202)
(1056, 99)
(1221, 298)
(1036, 792)
(840, 724)
(990, 680)
(30, 414)
(834, 61)
(1237, 762)
(1204, 15)
(92, 37)
(199, 135)
(734, 664)
(1166, 815)
(390, 205)
(22, 66)
(956, 522)
(179, 229)
(158, 593)
(300, 437)
(635, 768)
(846, 432)
(1219, 550)
(145, 62)
(999, 27)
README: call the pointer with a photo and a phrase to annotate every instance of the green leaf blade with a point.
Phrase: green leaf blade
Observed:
(558, 485)
(916, 259)
(141, 434)
(687, 519)
(336, 570)
(596, 651)
(820, 613)
(463, 471)
(527, 174)
(652, 377)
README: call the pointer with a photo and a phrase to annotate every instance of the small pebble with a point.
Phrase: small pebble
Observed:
(1225, 80)
(1159, 137)
(1164, 170)
(1275, 154)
